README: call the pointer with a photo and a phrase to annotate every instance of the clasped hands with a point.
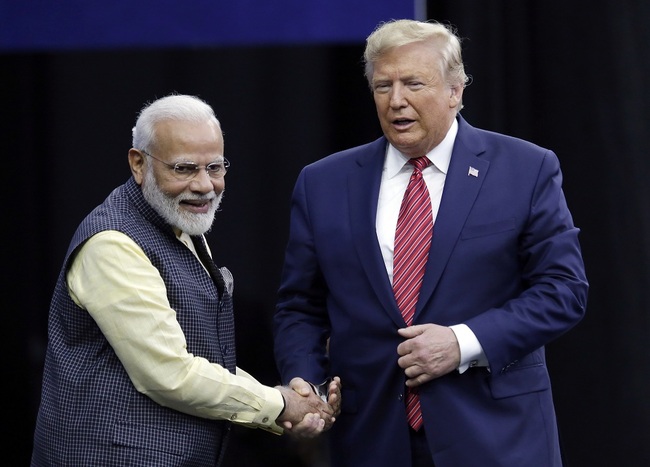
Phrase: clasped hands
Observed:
(429, 351)
(306, 415)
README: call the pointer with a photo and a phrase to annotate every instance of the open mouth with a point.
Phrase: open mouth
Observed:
(400, 122)
(196, 205)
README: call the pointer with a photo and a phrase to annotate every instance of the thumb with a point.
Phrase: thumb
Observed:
(300, 386)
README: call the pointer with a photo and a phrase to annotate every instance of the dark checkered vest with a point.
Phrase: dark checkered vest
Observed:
(90, 413)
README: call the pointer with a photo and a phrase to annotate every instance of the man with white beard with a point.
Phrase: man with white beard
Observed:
(140, 366)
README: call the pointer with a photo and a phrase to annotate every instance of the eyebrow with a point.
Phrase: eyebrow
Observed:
(182, 160)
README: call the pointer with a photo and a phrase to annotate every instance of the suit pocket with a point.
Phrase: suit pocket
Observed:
(521, 378)
(473, 231)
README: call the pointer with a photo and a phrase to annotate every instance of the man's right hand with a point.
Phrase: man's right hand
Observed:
(305, 414)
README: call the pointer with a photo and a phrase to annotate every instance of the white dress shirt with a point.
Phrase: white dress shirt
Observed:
(394, 179)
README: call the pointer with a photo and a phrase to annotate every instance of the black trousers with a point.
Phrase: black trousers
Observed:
(420, 453)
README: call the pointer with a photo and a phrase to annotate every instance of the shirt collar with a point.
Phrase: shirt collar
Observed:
(440, 156)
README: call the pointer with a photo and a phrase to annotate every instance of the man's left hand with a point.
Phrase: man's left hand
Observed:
(429, 351)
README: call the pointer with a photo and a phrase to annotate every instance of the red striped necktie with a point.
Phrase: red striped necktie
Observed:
(412, 241)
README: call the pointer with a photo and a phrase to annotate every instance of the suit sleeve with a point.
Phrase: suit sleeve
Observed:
(301, 325)
(555, 287)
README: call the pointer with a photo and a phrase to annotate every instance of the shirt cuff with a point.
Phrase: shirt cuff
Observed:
(271, 404)
(471, 351)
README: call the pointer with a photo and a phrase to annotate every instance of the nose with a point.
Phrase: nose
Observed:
(397, 96)
(203, 183)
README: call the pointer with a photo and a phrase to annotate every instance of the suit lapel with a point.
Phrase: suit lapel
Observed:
(462, 185)
(363, 189)
(464, 179)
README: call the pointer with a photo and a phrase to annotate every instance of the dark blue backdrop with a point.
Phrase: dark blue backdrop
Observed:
(75, 24)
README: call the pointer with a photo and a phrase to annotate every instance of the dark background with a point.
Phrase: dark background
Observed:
(570, 76)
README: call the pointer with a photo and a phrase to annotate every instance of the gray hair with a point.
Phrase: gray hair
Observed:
(173, 107)
(396, 33)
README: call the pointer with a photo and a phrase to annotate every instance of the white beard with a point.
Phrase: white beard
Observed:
(170, 210)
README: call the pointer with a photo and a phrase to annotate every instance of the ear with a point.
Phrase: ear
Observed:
(136, 162)
(455, 96)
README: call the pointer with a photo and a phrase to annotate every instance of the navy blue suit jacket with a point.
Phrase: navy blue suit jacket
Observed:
(505, 260)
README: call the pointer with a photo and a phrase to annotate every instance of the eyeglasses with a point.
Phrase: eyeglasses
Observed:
(189, 170)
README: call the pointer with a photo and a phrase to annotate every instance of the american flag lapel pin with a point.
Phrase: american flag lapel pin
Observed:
(472, 171)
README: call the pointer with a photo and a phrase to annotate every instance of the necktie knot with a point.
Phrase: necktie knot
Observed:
(420, 162)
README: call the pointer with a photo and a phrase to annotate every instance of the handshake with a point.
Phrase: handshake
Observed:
(309, 410)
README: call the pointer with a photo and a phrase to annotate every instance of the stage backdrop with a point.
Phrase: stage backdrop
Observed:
(570, 76)
(29, 25)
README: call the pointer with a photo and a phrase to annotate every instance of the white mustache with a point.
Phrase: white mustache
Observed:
(193, 197)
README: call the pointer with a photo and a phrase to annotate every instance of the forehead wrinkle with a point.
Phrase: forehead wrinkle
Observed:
(400, 72)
